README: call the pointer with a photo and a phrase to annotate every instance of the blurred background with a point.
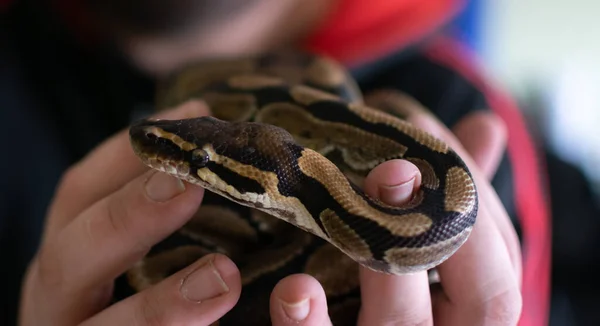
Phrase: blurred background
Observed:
(546, 53)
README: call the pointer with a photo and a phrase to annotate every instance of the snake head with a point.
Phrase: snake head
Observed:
(174, 146)
(199, 149)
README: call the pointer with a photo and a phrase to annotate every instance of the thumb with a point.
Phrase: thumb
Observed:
(199, 294)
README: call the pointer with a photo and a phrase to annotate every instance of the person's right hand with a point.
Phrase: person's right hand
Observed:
(106, 214)
(479, 284)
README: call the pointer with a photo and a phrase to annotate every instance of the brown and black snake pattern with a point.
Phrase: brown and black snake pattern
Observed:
(284, 156)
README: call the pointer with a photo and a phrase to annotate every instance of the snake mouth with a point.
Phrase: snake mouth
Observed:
(178, 169)
(156, 149)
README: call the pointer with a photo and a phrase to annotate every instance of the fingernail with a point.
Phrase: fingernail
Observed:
(203, 283)
(297, 311)
(162, 187)
(397, 194)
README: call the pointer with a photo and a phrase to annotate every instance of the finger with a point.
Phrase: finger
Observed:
(479, 282)
(507, 233)
(200, 294)
(393, 182)
(487, 152)
(299, 300)
(111, 235)
(483, 136)
(104, 170)
(391, 299)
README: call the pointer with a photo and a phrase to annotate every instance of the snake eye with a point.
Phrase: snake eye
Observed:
(199, 157)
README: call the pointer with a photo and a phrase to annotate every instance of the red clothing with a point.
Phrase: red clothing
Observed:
(357, 31)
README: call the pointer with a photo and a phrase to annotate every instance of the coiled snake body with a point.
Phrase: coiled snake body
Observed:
(290, 141)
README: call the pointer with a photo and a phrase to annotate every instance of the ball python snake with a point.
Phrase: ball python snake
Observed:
(283, 155)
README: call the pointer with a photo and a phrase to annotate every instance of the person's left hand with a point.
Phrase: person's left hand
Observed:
(107, 213)
(480, 283)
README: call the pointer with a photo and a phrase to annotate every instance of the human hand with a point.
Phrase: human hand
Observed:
(94, 233)
(106, 214)
(480, 284)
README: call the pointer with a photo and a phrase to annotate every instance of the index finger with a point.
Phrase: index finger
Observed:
(104, 170)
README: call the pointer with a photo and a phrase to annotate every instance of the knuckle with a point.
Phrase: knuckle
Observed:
(398, 318)
(120, 219)
(70, 180)
(407, 321)
(48, 267)
(115, 216)
(149, 312)
(504, 308)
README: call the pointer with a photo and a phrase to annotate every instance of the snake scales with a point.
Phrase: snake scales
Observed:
(290, 141)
